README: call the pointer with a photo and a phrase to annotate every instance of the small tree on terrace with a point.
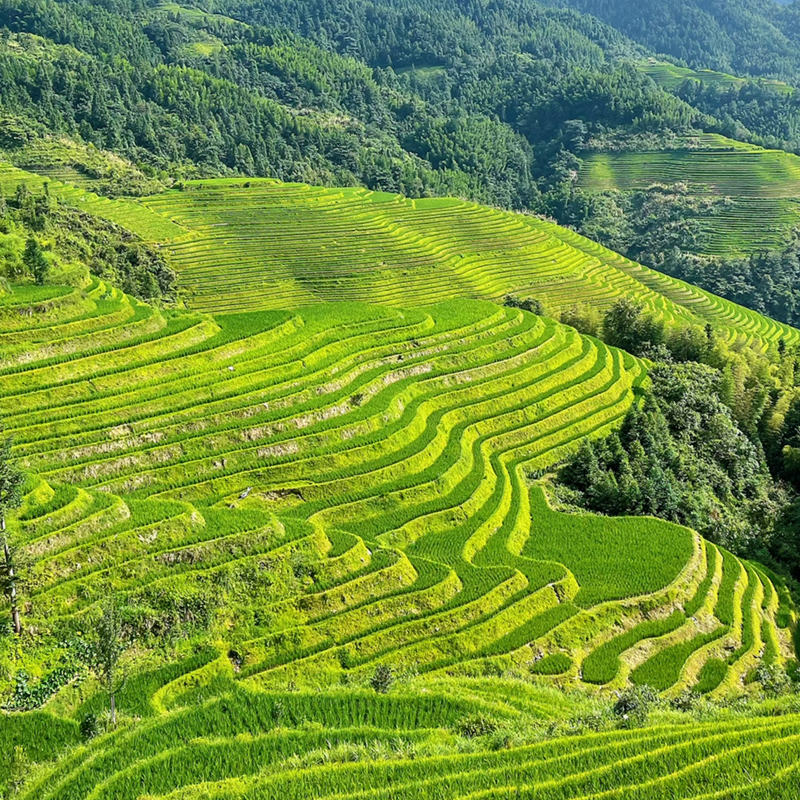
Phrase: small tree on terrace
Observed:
(10, 495)
(104, 649)
(36, 261)
(628, 326)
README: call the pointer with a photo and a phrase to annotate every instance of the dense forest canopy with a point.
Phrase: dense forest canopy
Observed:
(755, 37)
(498, 102)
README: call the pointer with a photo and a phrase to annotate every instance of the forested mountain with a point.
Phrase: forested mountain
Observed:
(399, 97)
(498, 102)
(755, 37)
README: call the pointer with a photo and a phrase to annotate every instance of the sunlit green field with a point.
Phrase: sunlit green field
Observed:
(324, 488)
(349, 486)
(760, 187)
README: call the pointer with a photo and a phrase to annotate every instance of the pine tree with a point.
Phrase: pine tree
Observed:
(35, 261)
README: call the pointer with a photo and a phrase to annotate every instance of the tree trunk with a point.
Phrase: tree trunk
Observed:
(12, 584)
(113, 709)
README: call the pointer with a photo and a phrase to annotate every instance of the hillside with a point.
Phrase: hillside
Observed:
(755, 37)
(273, 245)
(344, 486)
(293, 496)
(759, 187)
(369, 425)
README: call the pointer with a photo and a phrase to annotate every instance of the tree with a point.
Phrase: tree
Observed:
(10, 495)
(104, 650)
(626, 325)
(35, 260)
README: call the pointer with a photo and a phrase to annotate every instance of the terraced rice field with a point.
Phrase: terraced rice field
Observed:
(356, 745)
(389, 448)
(344, 486)
(671, 76)
(762, 187)
(271, 245)
(262, 244)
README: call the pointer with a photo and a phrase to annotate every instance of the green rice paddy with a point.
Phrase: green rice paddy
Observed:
(350, 481)
(390, 447)
(760, 187)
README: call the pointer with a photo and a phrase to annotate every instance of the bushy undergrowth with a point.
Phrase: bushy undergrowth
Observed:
(76, 241)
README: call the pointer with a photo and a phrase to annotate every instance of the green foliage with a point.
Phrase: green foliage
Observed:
(30, 694)
(475, 726)
(382, 679)
(103, 649)
(686, 701)
(633, 706)
(35, 262)
(89, 727)
(679, 456)
(774, 680)
(626, 326)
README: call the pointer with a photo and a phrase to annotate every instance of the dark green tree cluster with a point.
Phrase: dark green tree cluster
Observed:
(423, 97)
(108, 250)
(681, 456)
(750, 37)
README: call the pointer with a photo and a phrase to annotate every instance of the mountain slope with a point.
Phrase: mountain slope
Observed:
(755, 37)
(263, 244)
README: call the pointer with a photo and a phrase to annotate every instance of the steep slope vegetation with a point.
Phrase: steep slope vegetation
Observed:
(306, 495)
(759, 187)
(381, 452)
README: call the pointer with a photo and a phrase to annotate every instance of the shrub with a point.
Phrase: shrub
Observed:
(382, 679)
(89, 727)
(686, 701)
(774, 680)
(528, 304)
(476, 725)
(633, 706)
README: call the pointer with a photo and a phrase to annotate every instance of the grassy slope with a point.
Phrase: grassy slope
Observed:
(389, 447)
(762, 186)
(671, 76)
